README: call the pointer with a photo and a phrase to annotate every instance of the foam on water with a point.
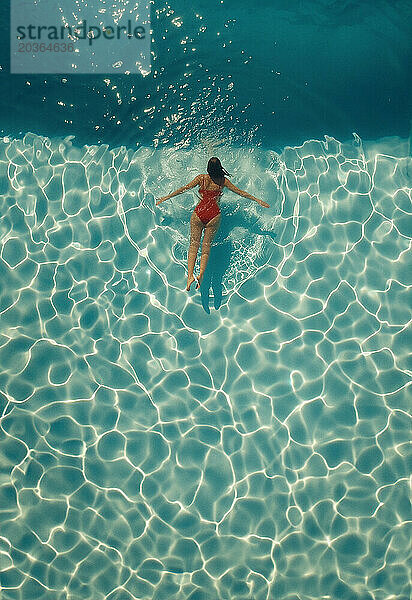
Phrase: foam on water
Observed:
(250, 441)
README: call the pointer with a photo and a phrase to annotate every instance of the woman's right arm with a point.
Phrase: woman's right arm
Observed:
(240, 192)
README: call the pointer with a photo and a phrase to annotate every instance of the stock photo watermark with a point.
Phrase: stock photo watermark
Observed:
(83, 37)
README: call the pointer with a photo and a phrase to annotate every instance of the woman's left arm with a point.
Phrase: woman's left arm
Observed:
(195, 181)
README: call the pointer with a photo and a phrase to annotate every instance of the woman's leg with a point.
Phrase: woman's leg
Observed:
(210, 230)
(196, 227)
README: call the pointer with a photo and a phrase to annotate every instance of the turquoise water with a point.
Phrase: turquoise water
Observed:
(276, 73)
(251, 441)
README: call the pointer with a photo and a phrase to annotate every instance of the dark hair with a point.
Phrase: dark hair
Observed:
(215, 170)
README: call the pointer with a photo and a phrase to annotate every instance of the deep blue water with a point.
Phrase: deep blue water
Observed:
(275, 74)
(251, 440)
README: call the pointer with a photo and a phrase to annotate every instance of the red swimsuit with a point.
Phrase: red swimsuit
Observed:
(208, 206)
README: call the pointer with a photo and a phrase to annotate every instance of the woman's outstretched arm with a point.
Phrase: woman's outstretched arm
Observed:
(195, 181)
(240, 192)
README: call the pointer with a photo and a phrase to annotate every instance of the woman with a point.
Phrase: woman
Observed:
(206, 215)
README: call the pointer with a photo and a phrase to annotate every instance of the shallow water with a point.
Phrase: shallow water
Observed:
(248, 441)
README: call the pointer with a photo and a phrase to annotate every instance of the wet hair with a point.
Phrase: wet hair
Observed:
(215, 170)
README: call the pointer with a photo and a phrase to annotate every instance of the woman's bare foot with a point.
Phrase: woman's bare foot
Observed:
(190, 280)
(199, 280)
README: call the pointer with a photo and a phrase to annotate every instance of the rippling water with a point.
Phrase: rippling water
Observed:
(275, 75)
(249, 441)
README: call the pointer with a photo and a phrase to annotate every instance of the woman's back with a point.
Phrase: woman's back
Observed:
(209, 185)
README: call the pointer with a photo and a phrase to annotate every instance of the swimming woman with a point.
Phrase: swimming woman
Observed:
(206, 215)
